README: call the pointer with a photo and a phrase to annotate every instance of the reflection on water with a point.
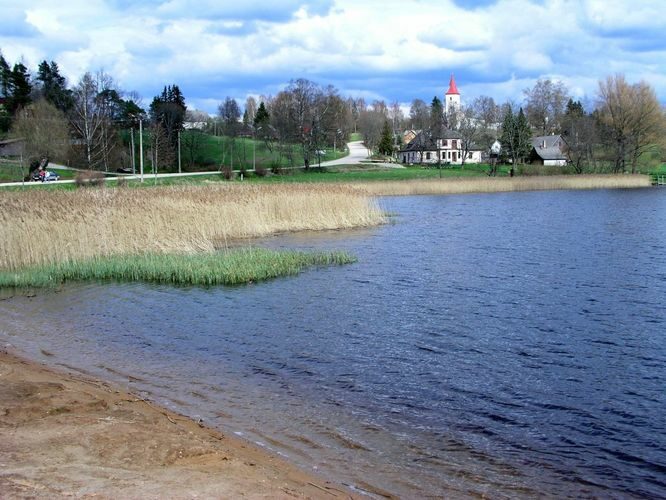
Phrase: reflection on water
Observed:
(507, 344)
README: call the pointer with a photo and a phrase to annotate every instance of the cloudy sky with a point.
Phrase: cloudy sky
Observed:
(376, 49)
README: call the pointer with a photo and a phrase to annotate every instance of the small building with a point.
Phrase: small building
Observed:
(445, 149)
(548, 150)
(11, 147)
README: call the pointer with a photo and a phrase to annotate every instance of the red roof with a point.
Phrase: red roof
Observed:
(452, 86)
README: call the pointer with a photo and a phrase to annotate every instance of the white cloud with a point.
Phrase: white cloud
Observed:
(411, 48)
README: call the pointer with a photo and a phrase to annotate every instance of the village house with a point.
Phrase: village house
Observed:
(447, 149)
(548, 150)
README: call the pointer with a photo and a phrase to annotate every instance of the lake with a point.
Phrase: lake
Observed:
(504, 344)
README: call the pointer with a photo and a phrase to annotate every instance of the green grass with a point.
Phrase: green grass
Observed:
(243, 152)
(10, 171)
(229, 267)
(659, 169)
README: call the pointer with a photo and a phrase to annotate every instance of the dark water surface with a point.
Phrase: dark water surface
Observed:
(506, 344)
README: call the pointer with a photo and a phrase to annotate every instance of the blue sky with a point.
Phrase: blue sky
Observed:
(376, 49)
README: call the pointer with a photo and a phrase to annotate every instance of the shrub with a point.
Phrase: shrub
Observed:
(89, 178)
(227, 172)
(260, 171)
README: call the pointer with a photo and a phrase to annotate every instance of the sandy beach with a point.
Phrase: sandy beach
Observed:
(65, 435)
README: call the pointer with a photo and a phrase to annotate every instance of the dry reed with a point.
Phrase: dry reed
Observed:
(44, 227)
(461, 185)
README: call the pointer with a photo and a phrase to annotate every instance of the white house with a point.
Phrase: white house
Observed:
(445, 149)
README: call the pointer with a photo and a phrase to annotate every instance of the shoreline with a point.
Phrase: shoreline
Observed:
(66, 434)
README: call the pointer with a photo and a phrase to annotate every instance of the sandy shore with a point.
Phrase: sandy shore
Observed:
(64, 435)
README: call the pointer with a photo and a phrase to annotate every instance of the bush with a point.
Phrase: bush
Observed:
(227, 172)
(260, 171)
(89, 178)
(276, 167)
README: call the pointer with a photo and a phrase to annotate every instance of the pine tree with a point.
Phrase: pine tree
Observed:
(19, 88)
(385, 146)
(54, 86)
(436, 118)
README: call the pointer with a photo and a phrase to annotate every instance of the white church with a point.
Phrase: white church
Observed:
(449, 148)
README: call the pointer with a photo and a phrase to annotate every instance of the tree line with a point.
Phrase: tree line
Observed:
(93, 123)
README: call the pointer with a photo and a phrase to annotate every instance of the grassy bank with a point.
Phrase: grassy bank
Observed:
(229, 267)
(51, 226)
(502, 184)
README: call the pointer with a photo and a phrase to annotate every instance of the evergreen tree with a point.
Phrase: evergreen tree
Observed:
(516, 136)
(53, 86)
(262, 117)
(385, 146)
(436, 118)
(168, 111)
(19, 88)
(5, 73)
(5, 117)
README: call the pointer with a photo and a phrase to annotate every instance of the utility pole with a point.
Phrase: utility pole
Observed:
(141, 147)
(179, 169)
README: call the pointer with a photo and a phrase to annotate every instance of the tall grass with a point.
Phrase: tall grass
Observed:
(230, 267)
(49, 226)
(501, 184)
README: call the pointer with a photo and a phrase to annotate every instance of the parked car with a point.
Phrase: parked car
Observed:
(50, 176)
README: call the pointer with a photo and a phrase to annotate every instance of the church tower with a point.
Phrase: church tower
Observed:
(452, 97)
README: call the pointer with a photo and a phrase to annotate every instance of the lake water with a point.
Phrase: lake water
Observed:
(512, 345)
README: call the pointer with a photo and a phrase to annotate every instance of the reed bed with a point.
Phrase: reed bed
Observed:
(49, 226)
(461, 185)
(229, 267)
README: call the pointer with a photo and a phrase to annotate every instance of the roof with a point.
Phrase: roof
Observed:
(549, 147)
(452, 87)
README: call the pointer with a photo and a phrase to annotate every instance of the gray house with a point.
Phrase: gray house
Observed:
(548, 150)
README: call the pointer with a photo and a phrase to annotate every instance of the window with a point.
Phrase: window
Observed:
(427, 156)
(454, 144)
(469, 155)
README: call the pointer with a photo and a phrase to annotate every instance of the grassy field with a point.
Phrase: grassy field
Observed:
(47, 226)
(229, 267)
(243, 152)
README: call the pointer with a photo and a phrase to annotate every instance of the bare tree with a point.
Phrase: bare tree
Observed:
(469, 129)
(419, 115)
(633, 117)
(250, 111)
(44, 131)
(545, 104)
(90, 118)
(370, 124)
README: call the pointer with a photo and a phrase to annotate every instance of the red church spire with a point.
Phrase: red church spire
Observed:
(452, 86)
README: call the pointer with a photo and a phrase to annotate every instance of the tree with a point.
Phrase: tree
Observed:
(385, 146)
(516, 136)
(19, 88)
(469, 128)
(44, 131)
(52, 86)
(419, 115)
(579, 131)
(436, 118)
(250, 111)
(632, 117)
(370, 124)
(89, 118)
(545, 105)
(229, 113)
(168, 110)
(5, 117)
